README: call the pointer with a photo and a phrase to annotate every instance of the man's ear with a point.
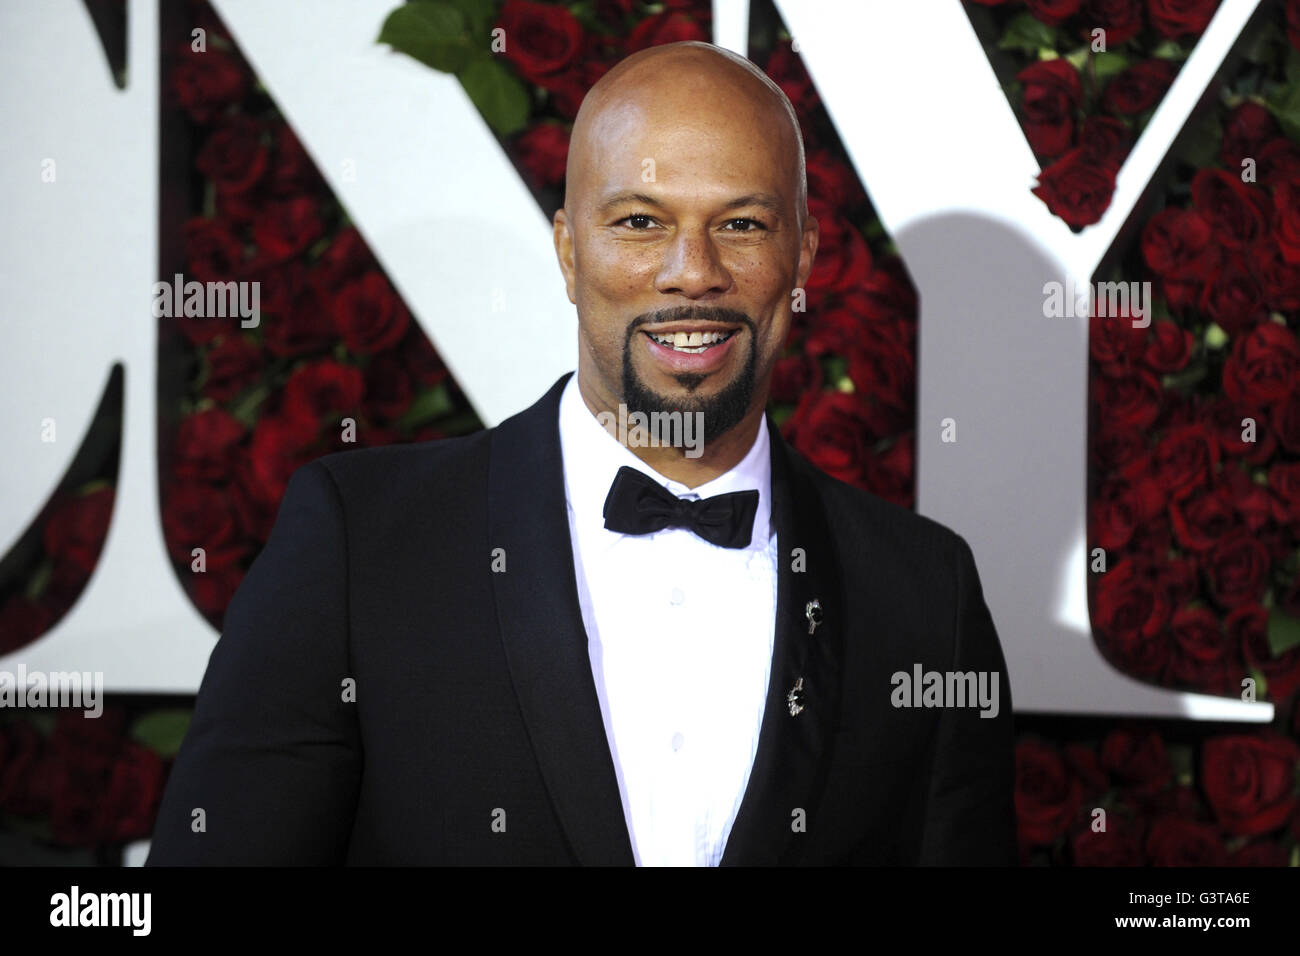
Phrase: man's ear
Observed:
(807, 249)
(563, 239)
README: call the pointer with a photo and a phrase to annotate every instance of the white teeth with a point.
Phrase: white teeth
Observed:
(694, 342)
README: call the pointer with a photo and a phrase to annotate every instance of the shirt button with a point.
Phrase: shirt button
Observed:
(678, 596)
(678, 740)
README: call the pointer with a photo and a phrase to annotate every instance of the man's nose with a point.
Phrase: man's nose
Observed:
(692, 266)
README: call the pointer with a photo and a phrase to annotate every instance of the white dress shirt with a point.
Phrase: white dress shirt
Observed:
(679, 634)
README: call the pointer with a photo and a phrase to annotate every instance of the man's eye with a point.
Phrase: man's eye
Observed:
(634, 219)
(750, 222)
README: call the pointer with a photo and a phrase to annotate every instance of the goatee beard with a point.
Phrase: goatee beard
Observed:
(723, 410)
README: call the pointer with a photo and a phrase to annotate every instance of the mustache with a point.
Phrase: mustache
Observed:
(676, 313)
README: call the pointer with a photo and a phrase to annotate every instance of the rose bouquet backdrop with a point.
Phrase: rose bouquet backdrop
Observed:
(1200, 528)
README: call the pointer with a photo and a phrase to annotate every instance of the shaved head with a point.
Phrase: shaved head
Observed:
(692, 64)
(685, 241)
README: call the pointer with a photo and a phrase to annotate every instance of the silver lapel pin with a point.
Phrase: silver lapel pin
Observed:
(813, 612)
(795, 697)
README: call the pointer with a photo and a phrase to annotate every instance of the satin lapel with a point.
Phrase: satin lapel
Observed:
(794, 749)
(543, 634)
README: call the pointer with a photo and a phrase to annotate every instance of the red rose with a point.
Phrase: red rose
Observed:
(1130, 402)
(1076, 188)
(1250, 781)
(323, 389)
(388, 388)
(1279, 162)
(1121, 19)
(891, 474)
(1138, 761)
(369, 314)
(541, 39)
(198, 515)
(543, 151)
(1262, 853)
(207, 444)
(205, 83)
(211, 592)
(1052, 93)
(1249, 127)
(77, 527)
(1174, 841)
(1186, 460)
(1053, 12)
(1286, 221)
(130, 802)
(21, 786)
(569, 88)
(887, 294)
(794, 376)
(786, 69)
(1113, 448)
(830, 429)
(1174, 18)
(1201, 651)
(287, 227)
(1115, 343)
(1287, 425)
(294, 172)
(233, 157)
(346, 257)
(1284, 485)
(1247, 629)
(1233, 298)
(1139, 87)
(21, 622)
(666, 27)
(1279, 280)
(421, 359)
(1228, 205)
(832, 181)
(1127, 606)
(1237, 567)
(1120, 844)
(1168, 348)
(1047, 795)
(233, 364)
(1106, 139)
(1112, 516)
(1201, 520)
(1225, 417)
(212, 250)
(1178, 244)
(280, 446)
(883, 371)
(1263, 365)
(1293, 22)
(843, 257)
(294, 319)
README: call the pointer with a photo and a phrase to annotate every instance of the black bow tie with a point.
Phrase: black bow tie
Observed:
(637, 504)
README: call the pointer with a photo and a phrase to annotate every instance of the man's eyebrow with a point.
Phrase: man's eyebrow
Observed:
(765, 200)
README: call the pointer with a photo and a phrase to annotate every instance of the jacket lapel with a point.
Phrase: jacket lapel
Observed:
(542, 631)
(794, 748)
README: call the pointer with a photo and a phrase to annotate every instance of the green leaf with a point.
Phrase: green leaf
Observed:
(431, 31)
(478, 15)
(39, 580)
(1285, 105)
(499, 95)
(427, 407)
(1169, 50)
(1106, 65)
(1028, 34)
(1201, 142)
(1283, 632)
(162, 730)
(245, 408)
(1215, 337)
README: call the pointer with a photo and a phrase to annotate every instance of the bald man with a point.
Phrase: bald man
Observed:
(629, 625)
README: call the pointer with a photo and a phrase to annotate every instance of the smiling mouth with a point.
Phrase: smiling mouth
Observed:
(692, 342)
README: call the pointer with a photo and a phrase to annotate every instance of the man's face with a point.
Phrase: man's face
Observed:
(681, 246)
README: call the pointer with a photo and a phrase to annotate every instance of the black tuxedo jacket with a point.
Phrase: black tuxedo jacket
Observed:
(474, 735)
